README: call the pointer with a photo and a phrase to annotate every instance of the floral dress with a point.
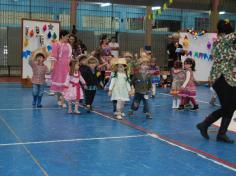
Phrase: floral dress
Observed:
(224, 54)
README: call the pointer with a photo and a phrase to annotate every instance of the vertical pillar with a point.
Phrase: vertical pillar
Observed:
(148, 27)
(73, 13)
(214, 16)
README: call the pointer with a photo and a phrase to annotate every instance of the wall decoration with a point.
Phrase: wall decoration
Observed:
(200, 50)
(35, 35)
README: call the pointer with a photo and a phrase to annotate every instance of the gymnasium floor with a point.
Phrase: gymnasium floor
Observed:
(48, 141)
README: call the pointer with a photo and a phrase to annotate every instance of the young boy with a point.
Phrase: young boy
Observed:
(142, 84)
(36, 61)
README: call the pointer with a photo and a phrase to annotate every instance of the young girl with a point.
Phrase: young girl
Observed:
(39, 71)
(73, 91)
(188, 88)
(178, 76)
(119, 88)
(155, 72)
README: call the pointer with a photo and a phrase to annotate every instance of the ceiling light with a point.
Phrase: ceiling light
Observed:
(105, 4)
(222, 12)
(156, 8)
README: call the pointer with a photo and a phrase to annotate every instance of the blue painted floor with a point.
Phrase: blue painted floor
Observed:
(48, 141)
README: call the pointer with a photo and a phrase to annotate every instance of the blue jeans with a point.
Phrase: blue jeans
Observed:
(38, 89)
(136, 102)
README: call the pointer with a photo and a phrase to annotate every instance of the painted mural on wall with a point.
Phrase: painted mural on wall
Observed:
(37, 34)
(198, 45)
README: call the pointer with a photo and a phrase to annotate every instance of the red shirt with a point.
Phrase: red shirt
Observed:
(39, 72)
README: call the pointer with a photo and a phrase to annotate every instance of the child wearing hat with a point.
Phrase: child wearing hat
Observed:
(119, 88)
(90, 74)
(36, 61)
(142, 84)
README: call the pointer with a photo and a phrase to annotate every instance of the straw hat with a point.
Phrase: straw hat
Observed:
(92, 60)
(128, 54)
(41, 51)
(121, 61)
(144, 59)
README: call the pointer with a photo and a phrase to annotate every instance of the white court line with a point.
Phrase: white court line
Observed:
(21, 109)
(197, 100)
(72, 140)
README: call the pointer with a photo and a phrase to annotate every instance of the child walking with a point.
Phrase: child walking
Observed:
(178, 76)
(36, 61)
(73, 92)
(142, 84)
(89, 73)
(188, 89)
(155, 73)
(119, 88)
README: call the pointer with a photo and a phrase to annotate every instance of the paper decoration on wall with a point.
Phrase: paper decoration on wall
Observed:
(26, 30)
(37, 29)
(26, 42)
(49, 47)
(50, 27)
(186, 42)
(49, 35)
(209, 45)
(199, 55)
(196, 34)
(170, 1)
(44, 27)
(54, 36)
(31, 33)
(26, 53)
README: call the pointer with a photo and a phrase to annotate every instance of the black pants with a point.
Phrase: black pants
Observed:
(89, 96)
(227, 97)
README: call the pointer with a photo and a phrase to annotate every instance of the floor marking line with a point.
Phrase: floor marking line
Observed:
(26, 149)
(197, 100)
(72, 140)
(202, 154)
(21, 109)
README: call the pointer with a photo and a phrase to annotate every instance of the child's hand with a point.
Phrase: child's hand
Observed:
(130, 93)
(85, 87)
(110, 93)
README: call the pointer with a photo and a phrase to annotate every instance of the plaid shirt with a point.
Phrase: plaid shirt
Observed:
(39, 72)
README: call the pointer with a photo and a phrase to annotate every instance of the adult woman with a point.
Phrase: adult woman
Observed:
(224, 78)
(61, 52)
(76, 49)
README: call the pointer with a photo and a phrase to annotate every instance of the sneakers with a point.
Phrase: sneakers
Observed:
(119, 117)
(180, 108)
(77, 112)
(148, 115)
(123, 114)
(195, 108)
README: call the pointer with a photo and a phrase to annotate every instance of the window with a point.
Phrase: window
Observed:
(201, 24)
(135, 24)
(167, 25)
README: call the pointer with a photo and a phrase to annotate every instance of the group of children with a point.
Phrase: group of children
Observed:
(127, 78)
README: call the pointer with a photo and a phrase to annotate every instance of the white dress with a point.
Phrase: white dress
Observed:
(120, 87)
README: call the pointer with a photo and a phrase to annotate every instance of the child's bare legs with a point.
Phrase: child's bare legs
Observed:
(119, 109)
(77, 107)
(69, 107)
(154, 88)
(60, 100)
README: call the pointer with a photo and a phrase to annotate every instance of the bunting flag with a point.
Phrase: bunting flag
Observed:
(199, 55)
(154, 15)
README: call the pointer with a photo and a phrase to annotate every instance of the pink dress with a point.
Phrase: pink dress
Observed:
(73, 91)
(62, 53)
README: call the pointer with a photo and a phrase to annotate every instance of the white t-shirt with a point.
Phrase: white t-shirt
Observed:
(113, 46)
